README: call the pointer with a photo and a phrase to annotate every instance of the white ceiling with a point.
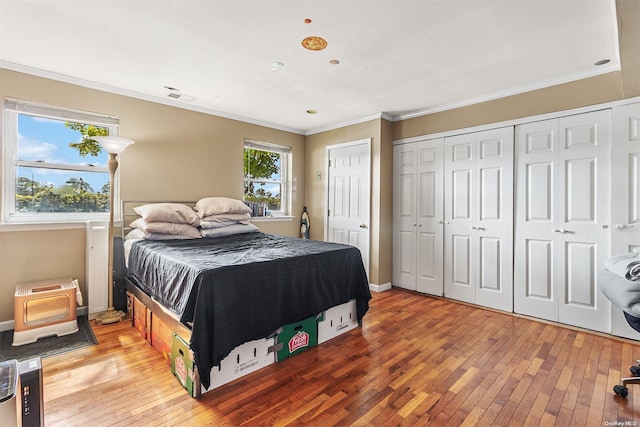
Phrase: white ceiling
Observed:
(397, 58)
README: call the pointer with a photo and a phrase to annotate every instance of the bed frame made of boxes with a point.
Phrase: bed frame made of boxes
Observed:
(170, 338)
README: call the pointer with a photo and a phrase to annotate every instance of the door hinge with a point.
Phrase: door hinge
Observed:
(328, 212)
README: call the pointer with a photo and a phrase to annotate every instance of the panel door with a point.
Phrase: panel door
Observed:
(349, 182)
(460, 205)
(404, 215)
(492, 238)
(535, 260)
(625, 197)
(562, 216)
(429, 210)
(584, 217)
(625, 175)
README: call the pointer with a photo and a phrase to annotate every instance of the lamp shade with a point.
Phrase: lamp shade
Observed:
(113, 144)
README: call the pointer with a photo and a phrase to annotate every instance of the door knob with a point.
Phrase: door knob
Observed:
(363, 225)
(623, 226)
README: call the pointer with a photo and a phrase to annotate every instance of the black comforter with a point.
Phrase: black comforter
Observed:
(240, 288)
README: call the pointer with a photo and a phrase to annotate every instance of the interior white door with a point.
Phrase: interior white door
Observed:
(625, 197)
(348, 196)
(625, 175)
(535, 287)
(479, 218)
(585, 160)
(429, 217)
(405, 161)
(562, 218)
(460, 204)
(492, 243)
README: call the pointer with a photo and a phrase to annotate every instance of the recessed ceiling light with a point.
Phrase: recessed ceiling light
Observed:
(602, 62)
(275, 66)
(314, 43)
(334, 62)
(312, 111)
(307, 21)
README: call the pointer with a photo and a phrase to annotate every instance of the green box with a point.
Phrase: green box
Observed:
(296, 337)
(182, 364)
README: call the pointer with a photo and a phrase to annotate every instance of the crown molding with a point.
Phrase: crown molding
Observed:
(604, 69)
(132, 94)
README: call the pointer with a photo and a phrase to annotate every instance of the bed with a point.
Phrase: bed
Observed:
(238, 287)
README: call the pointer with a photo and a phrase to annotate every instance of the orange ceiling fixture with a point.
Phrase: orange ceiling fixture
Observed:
(314, 43)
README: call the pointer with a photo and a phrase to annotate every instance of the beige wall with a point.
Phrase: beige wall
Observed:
(594, 90)
(178, 155)
(380, 132)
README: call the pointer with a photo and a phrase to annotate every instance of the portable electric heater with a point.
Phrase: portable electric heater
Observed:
(44, 308)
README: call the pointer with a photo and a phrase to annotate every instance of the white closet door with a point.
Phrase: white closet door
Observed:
(562, 218)
(625, 197)
(584, 215)
(430, 256)
(460, 204)
(492, 242)
(535, 289)
(404, 215)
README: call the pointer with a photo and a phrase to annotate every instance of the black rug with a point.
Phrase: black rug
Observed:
(49, 346)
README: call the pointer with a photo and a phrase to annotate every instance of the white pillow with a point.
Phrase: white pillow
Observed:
(243, 218)
(166, 228)
(220, 205)
(229, 230)
(138, 234)
(168, 212)
(207, 225)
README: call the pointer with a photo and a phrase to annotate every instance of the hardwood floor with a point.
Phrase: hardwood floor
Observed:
(417, 361)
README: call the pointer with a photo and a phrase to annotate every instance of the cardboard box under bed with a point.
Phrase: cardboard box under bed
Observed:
(170, 338)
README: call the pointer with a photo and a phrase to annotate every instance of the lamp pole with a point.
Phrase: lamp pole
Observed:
(113, 146)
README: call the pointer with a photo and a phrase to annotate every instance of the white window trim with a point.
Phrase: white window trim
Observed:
(11, 108)
(285, 195)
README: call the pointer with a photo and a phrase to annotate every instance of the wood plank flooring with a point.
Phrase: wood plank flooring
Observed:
(417, 361)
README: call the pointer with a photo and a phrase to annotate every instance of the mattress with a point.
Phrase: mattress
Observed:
(244, 287)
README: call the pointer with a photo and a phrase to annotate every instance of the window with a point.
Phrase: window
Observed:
(53, 170)
(266, 178)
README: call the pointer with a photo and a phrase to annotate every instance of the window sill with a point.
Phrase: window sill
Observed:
(272, 218)
(45, 226)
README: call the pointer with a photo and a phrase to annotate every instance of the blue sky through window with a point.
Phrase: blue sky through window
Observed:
(47, 140)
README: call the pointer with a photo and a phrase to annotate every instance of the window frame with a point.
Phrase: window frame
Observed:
(285, 175)
(11, 109)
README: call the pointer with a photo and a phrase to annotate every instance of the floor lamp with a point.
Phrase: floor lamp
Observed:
(113, 145)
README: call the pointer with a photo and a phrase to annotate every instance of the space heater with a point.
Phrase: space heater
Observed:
(44, 308)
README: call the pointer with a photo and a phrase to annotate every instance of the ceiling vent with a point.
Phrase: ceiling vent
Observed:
(181, 97)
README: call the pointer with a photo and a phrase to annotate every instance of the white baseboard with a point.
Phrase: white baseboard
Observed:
(8, 325)
(380, 288)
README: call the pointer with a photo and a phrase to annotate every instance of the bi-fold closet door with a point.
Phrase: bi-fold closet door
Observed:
(625, 195)
(417, 216)
(562, 219)
(478, 216)
(453, 217)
